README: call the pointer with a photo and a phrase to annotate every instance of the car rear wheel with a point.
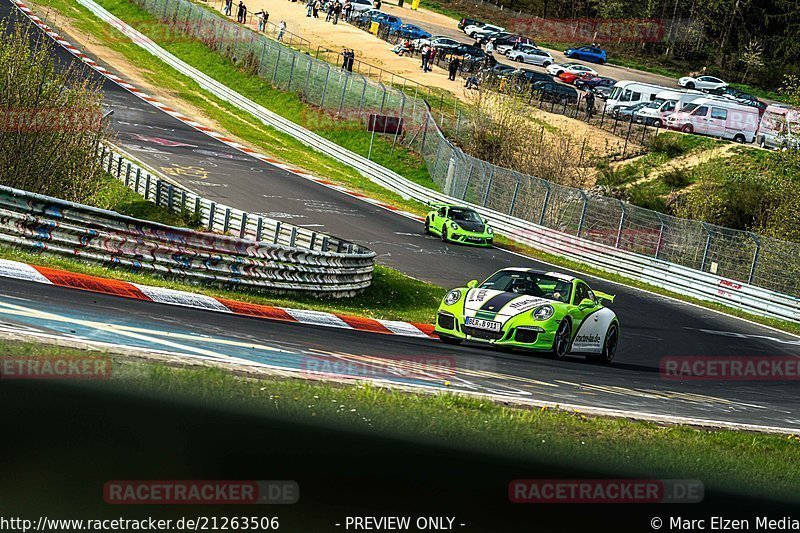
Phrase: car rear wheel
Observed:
(546, 64)
(687, 128)
(739, 138)
(763, 142)
(519, 59)
(427, 227)
(444, 234)
(562, 340)
(609, 346)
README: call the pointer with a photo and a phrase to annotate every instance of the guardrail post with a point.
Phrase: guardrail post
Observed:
(621, 223)
(755, 257)
(110, 161)
(293, 237)
(514, 196)
(226, 225)
(243, 229)
(313, 240)
(197, 209)
(147, 187)
(583, 212)
(277, 233)
(158, 192)
(339, 245)
(488, 187)
(183, 199)
(137, 179)
(211, 212)
(707, 247)
(128, 175)
(170, 192)
(259, 228)
(103, 156)
(544, 203)
(324, 244)
(119, 166)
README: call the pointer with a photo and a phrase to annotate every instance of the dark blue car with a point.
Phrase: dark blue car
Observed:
(410, 31)
(593, 54)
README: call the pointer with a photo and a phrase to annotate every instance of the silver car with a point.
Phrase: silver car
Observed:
(530, 54)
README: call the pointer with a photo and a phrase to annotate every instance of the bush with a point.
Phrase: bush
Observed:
(669, 144)
(677, 178)
(51, 119)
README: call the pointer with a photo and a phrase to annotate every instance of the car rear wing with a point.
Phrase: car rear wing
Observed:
(603, 296)
(437, 204)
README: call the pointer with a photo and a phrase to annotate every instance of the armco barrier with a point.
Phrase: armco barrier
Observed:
(50, 225)
(451, 163)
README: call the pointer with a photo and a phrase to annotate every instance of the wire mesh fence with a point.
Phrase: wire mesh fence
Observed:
(733, 254)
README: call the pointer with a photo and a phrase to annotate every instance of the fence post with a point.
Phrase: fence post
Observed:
(344, 92)
(147, 187)
(136, 180)
(399, 120)
(488, 187)
(660, 234)
(170, 192)
(158, 192)
(755, 257)
(514, 196)
(424, 134)
(259, 228)
(583, 212)
(325, 87)
(707, 247)
(293, 237)
(291, 73)
(226, 224)
(277, 235)
(277, 64)
(363, 94)
(243, 227)
(308, 77)
(621, 223)
(545, 202)
(128, 175)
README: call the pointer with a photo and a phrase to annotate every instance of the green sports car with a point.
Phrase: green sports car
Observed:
(454, 223)
(532, 310)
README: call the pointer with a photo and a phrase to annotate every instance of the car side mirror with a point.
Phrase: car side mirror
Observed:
(472, 284)
(586, 303)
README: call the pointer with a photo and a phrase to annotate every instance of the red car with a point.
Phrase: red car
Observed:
(570, 77)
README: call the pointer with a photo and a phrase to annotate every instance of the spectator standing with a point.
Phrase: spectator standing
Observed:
(337, 10)
(281, 30)
(424, 54)
(351, 59)
(317, 6)
(377, 4)
(244, 14)
(329, 15)
(228, 7)
(348, 8)
(455, 64)
(589, 105)
(490, 47)
(262, 17)
(309, 7)
(239, 11)
(431, 57)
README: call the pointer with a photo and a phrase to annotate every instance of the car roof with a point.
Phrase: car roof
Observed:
(558, 275)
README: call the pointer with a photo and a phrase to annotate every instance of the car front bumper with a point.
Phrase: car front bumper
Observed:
(524, 336)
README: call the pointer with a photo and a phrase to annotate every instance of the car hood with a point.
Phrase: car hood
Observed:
(499, 305)
(478, 227)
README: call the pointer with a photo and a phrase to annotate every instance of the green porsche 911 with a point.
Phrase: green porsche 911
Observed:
(458, 224)
(531, 310)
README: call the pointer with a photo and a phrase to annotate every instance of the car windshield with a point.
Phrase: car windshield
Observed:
(531, 284)
(467, 215)
(688, 108)
(655, 104)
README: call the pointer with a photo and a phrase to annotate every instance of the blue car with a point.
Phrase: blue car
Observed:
(410, 31)
(384, 19)
(587, 53)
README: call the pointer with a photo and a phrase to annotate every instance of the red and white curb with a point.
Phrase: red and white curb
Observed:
(125, 29)
(124, 289)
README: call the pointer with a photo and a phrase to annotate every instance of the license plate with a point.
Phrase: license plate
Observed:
(480, 323)
(474, 239)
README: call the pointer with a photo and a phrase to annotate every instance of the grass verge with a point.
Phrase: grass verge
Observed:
(764, 464)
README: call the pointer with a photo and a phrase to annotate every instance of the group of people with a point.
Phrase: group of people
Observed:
(334, 9)
(348, 57)
(262, 17)
(428, 54)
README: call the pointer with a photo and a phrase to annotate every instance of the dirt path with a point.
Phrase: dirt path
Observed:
(686, 162)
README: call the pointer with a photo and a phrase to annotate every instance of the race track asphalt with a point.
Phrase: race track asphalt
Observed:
(652, 326)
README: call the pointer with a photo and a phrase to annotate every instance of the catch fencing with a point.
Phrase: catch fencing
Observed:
(664, 243)
(245, 251)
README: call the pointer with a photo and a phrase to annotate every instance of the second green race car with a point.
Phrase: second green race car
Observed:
(454, 223)
(532, 310)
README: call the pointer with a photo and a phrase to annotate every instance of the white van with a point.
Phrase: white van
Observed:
(780, 127)
(628, 93)
(717, 117)
(667, 102)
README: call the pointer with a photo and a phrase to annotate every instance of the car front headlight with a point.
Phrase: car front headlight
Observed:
(489, 230)
(454, 225)
(452, 297)
(543, 312)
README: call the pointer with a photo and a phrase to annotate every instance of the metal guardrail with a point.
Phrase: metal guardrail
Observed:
(752, 272)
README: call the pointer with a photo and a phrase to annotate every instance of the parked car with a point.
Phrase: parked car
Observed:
(467, 51)
(530, 54)
(556, 69)
(667, 102)
(494, 36)
(779, 128)
(410, 31)
(704, 83)
(602, 92)
(466, 22)
(503, 44)
(526, 76)
(393, 23)
(359, 6)
(717, 117)
(630, 112)
(570, 76)
(625, 93)
(371, 15)
(587, 82)
(592, 54)
(500, 70)
(477, 32)
(439, 42)
(551, 91)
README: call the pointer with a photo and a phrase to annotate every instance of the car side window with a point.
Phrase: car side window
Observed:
(719, 113)
(701, 111)
(581, 293)
(636, 97)
(669, 106)
(441, 212)
(626, 96)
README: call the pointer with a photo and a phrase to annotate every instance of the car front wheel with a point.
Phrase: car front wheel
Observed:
(562, 340)
(687, 128)
(690, 85)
